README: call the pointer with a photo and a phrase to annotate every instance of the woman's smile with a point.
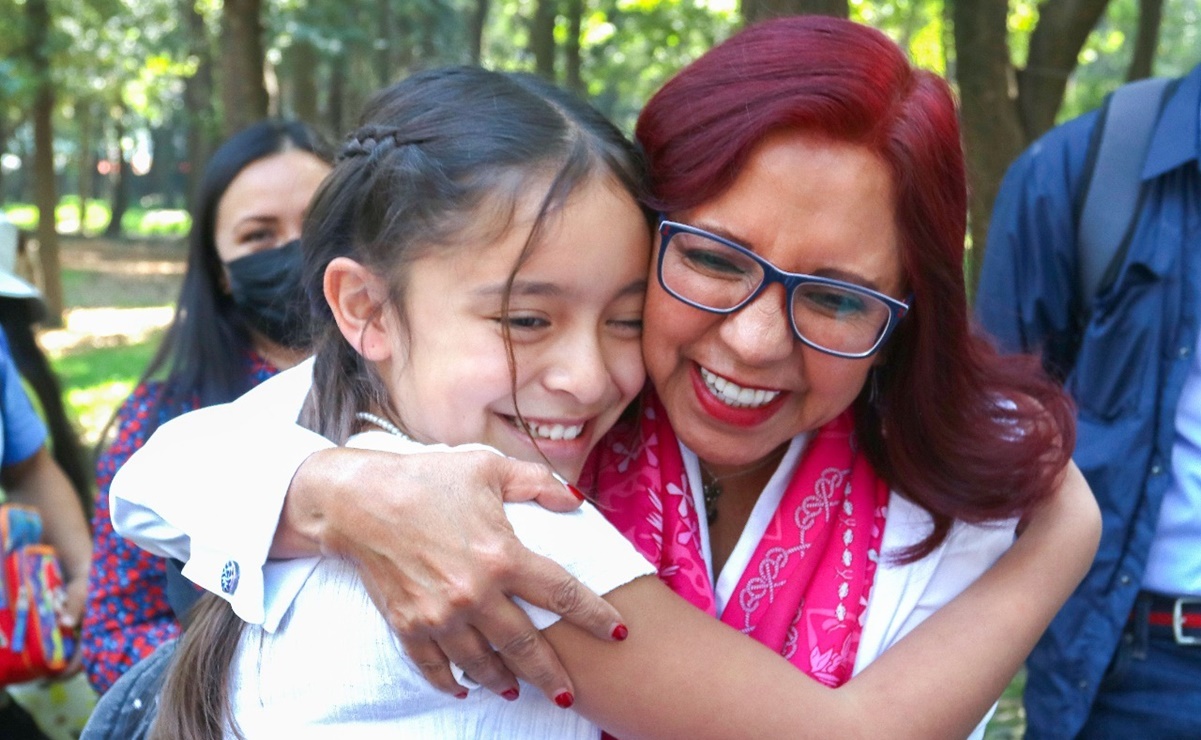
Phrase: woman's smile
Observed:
(735, 395)
(713, 396)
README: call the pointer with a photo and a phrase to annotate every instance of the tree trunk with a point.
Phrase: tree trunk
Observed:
(86, 160)
(991, 130)
(120, 201)
(754, 11)
(542, 38)
(1150, 17)
(475, 30)
(243, 88)
(997, 124)
(164, 162)
(384, 38)
(1055, 44)
(302, 59)
(337, 93)
(572, 63)
(198, 97)
(45, 190)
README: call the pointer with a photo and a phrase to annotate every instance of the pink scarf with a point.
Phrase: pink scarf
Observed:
(805, 589)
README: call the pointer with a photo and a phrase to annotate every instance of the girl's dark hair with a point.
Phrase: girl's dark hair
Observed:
(961, 431)
(444, 155)
(202, 357)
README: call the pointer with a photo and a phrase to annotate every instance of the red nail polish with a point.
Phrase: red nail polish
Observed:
(620, 632)
(510, 695)
(576, 492)
(461, 695)
(564, 699)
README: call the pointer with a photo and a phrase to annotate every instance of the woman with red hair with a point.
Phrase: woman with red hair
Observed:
(829, 453)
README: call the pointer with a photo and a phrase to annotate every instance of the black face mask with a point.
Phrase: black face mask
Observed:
(266, 288)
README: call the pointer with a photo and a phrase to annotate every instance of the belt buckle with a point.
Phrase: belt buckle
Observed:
(1178, 621)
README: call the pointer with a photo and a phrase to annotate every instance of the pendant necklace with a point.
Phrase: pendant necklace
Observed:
(711, 484)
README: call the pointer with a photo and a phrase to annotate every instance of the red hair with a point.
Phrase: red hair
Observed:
(961, 431)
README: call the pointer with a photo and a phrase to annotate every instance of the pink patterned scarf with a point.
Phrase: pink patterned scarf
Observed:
(805, 589)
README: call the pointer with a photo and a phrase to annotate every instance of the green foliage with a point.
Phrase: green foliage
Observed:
(137, 222)
(1107, 54)
(96, 380)
(629, 48)
(126, 60)
(920, 26)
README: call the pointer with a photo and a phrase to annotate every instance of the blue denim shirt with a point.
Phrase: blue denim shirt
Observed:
(21, 430)
(1126, 374)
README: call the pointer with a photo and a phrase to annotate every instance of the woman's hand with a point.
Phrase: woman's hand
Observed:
(437, 555)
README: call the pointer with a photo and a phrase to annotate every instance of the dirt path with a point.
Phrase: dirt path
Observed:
(116, 292)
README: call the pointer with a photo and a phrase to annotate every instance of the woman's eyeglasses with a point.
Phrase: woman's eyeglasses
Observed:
(716, 275)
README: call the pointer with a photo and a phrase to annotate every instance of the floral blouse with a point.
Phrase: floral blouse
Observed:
(127, 613)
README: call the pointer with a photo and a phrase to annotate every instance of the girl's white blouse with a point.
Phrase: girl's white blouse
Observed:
(334, 669)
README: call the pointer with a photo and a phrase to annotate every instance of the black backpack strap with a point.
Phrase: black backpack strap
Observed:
(1113, 187)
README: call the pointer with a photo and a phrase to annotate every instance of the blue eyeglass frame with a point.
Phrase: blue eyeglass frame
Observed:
(790, 280)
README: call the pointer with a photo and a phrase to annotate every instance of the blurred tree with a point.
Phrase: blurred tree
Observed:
(46, 189)
(475, 29)
(1005, 107)
(243, 89)
(1150, 17)
(542, 37)
(758, 10)
(572, 63)
(119, 203)
(198, 86)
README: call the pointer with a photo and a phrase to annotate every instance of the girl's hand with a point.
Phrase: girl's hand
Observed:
(437, 555)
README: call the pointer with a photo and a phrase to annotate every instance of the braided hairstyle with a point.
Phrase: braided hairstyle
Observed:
(440, 159)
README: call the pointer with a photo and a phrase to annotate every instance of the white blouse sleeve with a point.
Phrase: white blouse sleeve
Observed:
(582, 541)
(208, 488)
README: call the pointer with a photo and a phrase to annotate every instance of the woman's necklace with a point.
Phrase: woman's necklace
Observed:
(380, 422)
(711, 484)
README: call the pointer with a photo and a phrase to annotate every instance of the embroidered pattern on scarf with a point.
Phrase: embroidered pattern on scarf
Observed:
(804, 592)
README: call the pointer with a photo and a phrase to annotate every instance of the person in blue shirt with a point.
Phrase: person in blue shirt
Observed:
(30, 476)
(1123, 658)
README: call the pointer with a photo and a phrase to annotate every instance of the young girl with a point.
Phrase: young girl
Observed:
(482, 258)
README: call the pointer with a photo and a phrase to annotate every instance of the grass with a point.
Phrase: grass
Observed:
(1009, 721)
(96, 380)
(117, 295)
(137, 222)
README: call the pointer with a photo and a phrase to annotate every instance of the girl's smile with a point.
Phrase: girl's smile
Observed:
(574, 319)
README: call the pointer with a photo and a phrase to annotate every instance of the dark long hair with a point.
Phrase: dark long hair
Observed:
(958, 429)
(203, 354)
(439, 156)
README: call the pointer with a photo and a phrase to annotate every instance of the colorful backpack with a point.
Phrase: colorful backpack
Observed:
(32, 643)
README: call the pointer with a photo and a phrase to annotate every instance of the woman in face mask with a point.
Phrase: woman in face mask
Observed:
(241, 317)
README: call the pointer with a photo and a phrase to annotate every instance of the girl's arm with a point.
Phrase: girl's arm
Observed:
(682, 674)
